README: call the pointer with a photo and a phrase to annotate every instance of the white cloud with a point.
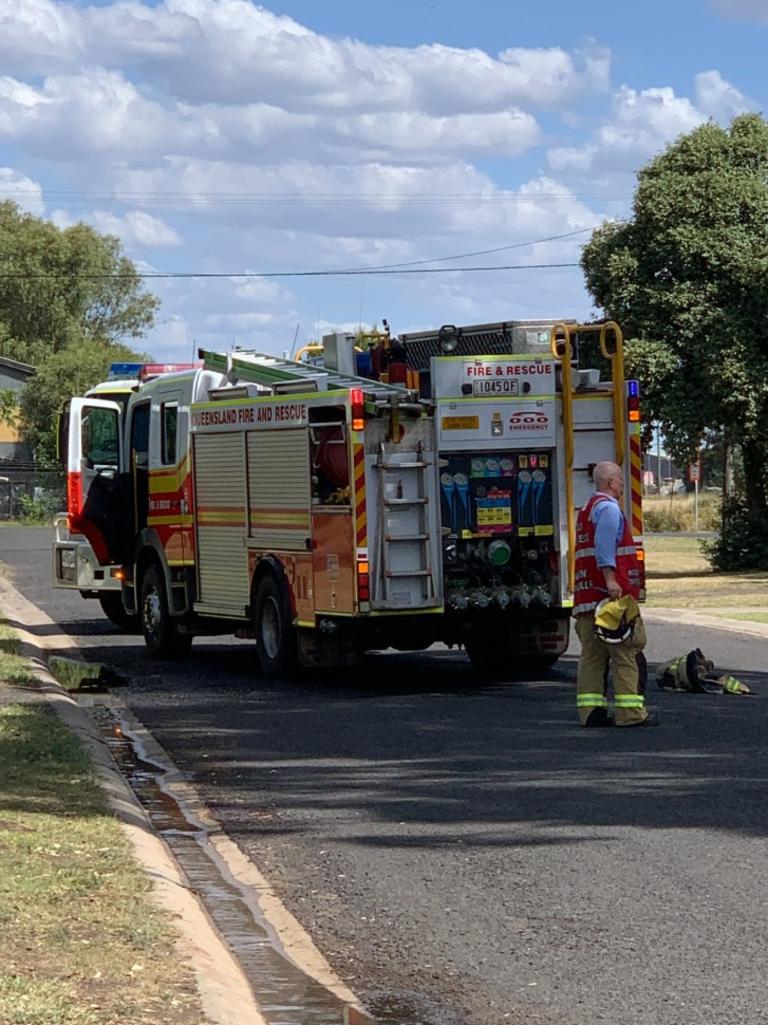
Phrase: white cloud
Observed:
(369, 201)
(260, 290)
(22, 190)
(642, 122)
(265, 146)
(38, 36)
(507, 133)
(719, 98)
(71, 116)
(136, 228)
(233, 51)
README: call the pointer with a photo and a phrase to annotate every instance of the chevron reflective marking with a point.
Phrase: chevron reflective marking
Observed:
(636, 482)
(361, 514)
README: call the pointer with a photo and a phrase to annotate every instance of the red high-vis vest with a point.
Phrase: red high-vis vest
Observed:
(590, 582)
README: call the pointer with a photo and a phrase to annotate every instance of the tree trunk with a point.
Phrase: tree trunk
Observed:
(755, 459)
(728, 485)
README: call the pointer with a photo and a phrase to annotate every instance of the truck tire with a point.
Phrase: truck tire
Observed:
(276, 642)
(489, 660)
(113, 608)
(161, 632)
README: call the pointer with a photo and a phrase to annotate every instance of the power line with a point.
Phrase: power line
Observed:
(381, 269)
(485, 252)
(182, 275)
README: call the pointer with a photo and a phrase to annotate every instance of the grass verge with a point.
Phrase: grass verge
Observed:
(679, 576)
(13, 668)
(81, 942)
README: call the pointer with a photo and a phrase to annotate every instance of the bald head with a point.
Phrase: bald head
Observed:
(608, 477)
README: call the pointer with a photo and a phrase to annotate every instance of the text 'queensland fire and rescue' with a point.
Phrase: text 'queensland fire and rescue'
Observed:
(289, 412)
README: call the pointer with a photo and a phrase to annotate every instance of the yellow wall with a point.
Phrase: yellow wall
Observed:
(8, 433)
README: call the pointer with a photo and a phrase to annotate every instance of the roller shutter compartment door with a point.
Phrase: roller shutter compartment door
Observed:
(220, 494)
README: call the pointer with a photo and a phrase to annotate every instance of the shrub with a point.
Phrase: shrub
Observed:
(742, 540)
(41, 509)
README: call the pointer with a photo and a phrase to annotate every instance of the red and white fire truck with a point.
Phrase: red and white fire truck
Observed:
(423, 489)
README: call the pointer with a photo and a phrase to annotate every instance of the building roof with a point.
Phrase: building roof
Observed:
(13, 364)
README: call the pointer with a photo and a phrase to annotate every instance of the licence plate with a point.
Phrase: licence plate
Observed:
(502, 387)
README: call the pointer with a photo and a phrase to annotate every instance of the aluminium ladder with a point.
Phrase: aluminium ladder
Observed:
(277, 374)
(404, 537)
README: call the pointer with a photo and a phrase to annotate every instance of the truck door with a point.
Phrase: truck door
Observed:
(169, 486)
(138, 454)
(93, 462)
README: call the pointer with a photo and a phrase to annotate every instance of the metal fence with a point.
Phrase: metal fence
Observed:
(30, 494)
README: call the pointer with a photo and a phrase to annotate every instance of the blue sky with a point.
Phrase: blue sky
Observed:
(232, 138)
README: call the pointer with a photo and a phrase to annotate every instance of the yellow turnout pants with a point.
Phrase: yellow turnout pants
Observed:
(596, 658)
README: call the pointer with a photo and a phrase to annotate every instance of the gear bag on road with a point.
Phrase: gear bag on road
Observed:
(696, 674)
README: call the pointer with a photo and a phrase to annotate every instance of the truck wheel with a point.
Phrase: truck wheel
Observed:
(276, 645)
(161, 632)
(486, 658)
(113, 608)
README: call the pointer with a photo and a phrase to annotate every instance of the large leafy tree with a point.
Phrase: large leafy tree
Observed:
(69, 301)
(71, 371)
(687, 277)
(59, 286)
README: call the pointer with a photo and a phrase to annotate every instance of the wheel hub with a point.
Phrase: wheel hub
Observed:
(152, 611)
(270, 628)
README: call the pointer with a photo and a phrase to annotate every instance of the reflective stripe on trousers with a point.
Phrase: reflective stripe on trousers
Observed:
(591, 701)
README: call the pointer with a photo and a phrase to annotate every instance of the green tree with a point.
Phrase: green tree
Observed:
(686, 278)
(71, 371)
(59, 286)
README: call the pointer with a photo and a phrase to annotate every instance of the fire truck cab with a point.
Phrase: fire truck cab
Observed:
(75, 564)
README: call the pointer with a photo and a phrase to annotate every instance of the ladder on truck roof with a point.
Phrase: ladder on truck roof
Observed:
(285, 375)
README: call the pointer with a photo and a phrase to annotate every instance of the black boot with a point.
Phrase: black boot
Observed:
(599, 717)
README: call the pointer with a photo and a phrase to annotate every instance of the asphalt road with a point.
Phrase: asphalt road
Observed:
(459, 849)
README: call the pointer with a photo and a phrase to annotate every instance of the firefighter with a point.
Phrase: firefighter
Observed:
(607, 568)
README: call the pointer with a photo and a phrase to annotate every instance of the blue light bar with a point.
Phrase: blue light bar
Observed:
(633, 389)
(124, 371)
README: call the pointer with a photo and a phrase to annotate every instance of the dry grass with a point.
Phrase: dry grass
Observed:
(677, 512)
(679, 576)
(81, 942)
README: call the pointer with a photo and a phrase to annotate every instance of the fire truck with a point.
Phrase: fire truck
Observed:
(261, 496)
(392, 492)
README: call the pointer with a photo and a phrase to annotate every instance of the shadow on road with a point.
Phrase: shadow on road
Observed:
(426, 754)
